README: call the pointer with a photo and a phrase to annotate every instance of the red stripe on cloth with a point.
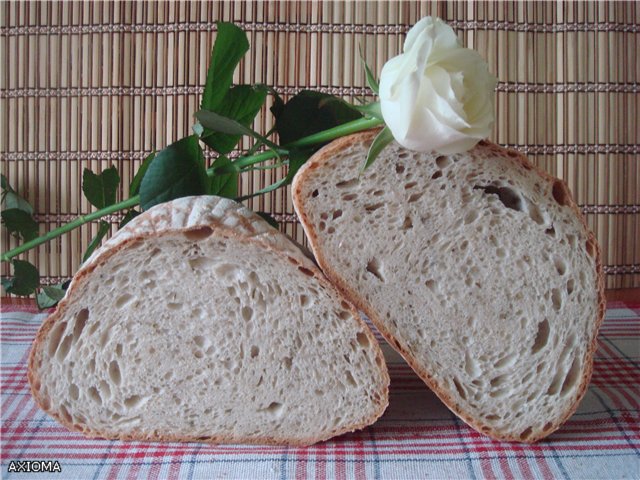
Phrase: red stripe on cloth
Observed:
(610, 393)
(300, 472)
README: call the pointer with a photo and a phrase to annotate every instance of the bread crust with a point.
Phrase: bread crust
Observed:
(155, 224)
(366, 137)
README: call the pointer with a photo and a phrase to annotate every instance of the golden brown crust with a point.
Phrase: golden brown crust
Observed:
(219, 229)
(564, 195)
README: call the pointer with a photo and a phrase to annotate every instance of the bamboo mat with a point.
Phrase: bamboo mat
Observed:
(99, 84)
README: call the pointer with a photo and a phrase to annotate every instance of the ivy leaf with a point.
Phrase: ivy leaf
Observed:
(278, 105)
(134, 188)
(222, 124)
(50, 296)
(177, 171)
(225, 184)
(130, 215)
(384, 138)
(20, 223)
(101, 189)
(371, 79)
(25, 279)
(310, 112)
(242, 103)
(11, 199)
(230, 46)
(269, 219)
(103, 229)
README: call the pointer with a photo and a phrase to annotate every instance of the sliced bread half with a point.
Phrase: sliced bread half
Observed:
(199, 322)
(478, 268)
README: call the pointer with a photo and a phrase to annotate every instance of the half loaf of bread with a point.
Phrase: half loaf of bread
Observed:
(198, 321)
(477, 267)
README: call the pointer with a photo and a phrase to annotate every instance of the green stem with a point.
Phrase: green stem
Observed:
(242, 162)
(129, 203)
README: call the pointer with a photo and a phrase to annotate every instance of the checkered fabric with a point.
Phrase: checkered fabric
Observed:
(418, 437)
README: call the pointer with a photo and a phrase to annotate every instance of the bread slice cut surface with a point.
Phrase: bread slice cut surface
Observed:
(477, 267)
(199, 322)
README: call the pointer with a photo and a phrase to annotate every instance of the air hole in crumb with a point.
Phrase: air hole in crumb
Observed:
(471, 217)
(64, 348)
(347, 183)
(560, 193)
(363, 340)
(414, 197)
(337, 214)
(304, 300)
(65, 414)
(324, 215)
(374, 268)
(123, 300)
(500, 253)
(542, 337)
(344, 315)
(399, 168)
(133, 401)
(372, 207)
(322, 226)
(526, 434)
(350, 380)
(430, 284)
(306, 271)
(199, 341)
(81, 321)
(550, 231)
(56, 336)
(556, 299)
(114, 373)
(331, 230)
(74, 392)
(572, 377)
(350, 196)
(561, 266)
(247, 313)
(274, 408)
(571, 285)
(436, 175)
(410, 185)
(254, 351)
(442, 161)
(287, 362)
(408, 223)
(200, 263)
(174, 306)
(200, 233)
(536, 214)
(95, 395)
(315, 193)
(509, 197)
(460, 390)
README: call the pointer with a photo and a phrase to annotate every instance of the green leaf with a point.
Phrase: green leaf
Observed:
(11, 199)
(101, 189)
(230, 46)
(50, 296)
(20, 223)
(269, 219)
(311, 112)
(103, 229)
(222, 124)
(130, 215)
(177, 171)
(225, 184)
(134, 188)
(25, 279)
(242, 103)
(384, 138)
(278, 105)
(371, 79)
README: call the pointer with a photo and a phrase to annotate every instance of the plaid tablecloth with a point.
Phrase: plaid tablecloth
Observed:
(416, 438)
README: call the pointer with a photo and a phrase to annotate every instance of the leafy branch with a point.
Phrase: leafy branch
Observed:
(303, 124)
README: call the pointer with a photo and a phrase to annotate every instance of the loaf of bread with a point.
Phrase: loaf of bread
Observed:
(199, 322)
(477, 267)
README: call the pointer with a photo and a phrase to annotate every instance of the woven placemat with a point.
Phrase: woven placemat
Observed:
(97, 84)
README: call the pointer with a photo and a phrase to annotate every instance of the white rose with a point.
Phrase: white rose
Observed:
(437, 95)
